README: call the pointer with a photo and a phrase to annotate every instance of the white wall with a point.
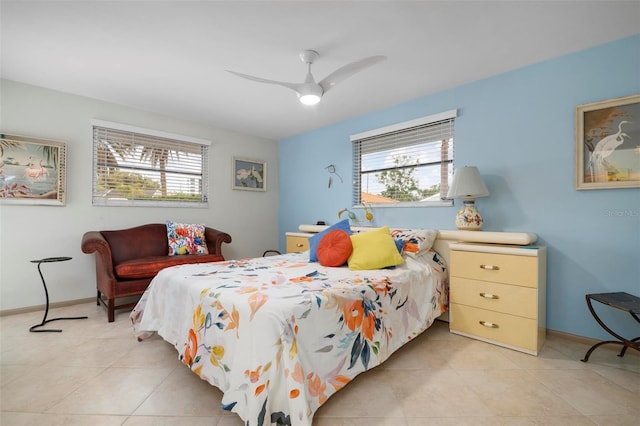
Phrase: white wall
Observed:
(32, 232)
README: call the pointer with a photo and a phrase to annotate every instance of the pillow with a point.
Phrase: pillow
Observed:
(399, 245)
(415, 240)
(315, 240)
(335, 248)
(374, 249)
(186, 238)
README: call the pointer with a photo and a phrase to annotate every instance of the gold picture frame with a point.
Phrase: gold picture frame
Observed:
(248, 175)
(607, 144)
(32, 171)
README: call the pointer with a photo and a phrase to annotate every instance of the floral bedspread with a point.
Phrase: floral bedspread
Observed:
(279, 335)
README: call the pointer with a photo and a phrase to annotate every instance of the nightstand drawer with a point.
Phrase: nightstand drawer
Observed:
(495, 327)
(297, 244)
(502, 268)
(505, 298)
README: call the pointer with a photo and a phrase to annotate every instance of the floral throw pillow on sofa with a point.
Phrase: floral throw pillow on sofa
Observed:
(185, 238)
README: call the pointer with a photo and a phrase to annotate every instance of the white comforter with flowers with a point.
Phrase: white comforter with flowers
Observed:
(279, 335)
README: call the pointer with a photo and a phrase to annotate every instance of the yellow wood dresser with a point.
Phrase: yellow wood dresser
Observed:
(498, 294)
(297, 241)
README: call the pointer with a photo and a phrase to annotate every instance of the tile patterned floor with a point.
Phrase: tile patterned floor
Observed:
(96, 373)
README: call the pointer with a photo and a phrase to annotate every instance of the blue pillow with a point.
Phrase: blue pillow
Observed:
(399, 245)
(315, 240)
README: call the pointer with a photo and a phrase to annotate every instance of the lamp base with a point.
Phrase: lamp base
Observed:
(468, 218)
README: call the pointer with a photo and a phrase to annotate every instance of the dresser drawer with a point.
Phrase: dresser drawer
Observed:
(505, 298)
(297, 244)
(501, 268)
(498, 327)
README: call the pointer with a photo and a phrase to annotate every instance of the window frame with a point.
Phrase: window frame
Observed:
(406, 126)
(99, 200)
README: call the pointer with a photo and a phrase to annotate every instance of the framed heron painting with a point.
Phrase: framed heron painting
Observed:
(249, 175)
(607, 144)
(32, 171)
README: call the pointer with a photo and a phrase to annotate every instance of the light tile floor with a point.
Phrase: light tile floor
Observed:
(96, 373)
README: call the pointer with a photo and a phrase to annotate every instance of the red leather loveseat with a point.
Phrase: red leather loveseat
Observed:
(128, 259)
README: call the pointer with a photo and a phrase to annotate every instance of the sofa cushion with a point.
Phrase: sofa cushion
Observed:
(148, 267)
(186, 238)
(134, 243)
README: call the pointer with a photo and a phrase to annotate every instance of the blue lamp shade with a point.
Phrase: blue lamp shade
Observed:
(468, 185)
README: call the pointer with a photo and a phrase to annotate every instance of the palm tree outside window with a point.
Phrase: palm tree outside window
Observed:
(135, 167)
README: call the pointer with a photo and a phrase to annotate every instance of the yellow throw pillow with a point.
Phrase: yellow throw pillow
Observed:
(374, 249)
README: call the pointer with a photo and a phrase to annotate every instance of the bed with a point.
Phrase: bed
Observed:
(279, 335)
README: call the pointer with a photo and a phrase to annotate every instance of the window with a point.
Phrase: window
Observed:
(405, 165)
(141, 167)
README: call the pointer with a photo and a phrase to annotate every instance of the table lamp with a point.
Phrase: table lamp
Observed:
(468, 185)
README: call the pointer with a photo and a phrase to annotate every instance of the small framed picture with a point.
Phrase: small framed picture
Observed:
(32, 171)
(607, 144)
(249, 175)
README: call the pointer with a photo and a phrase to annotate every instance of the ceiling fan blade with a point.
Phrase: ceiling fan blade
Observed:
(292, 86)
(348, 70)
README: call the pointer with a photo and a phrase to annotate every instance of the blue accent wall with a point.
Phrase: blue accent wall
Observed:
(518, 128)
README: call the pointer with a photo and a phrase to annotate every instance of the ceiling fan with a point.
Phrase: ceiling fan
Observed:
(310, 92)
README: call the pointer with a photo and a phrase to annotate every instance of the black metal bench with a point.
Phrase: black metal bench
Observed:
(623, 301)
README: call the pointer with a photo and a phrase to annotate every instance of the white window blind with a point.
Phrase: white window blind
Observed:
(139, 167)
(407, 164)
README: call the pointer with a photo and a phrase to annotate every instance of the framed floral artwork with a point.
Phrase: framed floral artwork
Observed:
(32, 171)
(607, 145)
(249, 175)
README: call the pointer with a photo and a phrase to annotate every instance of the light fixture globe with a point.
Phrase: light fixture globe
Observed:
(310, 94)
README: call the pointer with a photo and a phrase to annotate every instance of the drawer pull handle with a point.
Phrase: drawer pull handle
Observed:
(299, 245)
(488, 324)
(490, 267)
(489, 296)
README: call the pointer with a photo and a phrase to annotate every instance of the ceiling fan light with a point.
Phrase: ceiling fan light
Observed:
(310, 93)
(310, 99)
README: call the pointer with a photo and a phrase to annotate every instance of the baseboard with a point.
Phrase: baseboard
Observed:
(37, 308)
(589, 341)
(572, 337)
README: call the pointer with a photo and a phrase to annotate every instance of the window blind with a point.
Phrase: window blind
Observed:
(407, 163)
(134, 168)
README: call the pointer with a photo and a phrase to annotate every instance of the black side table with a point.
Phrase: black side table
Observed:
(46, 293)
(623, 301)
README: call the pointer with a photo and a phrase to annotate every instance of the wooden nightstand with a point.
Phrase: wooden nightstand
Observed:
(498, 294)
(297, 241)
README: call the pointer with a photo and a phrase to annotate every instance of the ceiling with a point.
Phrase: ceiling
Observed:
(170, 57)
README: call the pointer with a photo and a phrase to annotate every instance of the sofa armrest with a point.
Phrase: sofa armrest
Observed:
(214, 239)
(94, 242)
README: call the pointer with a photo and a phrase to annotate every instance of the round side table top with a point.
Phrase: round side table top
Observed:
(51, 259)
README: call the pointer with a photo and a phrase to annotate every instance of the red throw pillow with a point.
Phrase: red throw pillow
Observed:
(334, 248)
